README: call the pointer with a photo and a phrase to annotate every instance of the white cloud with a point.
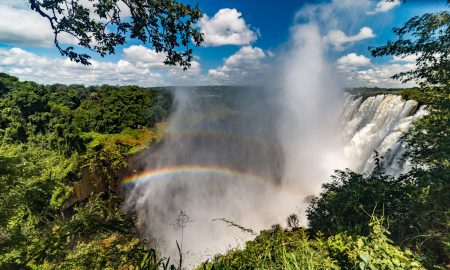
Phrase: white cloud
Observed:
(89, 4)
(146, 71)
(25, 27)
(338, 21)
(246, 55)
(226, 27)
(335, 14)
(218, 74)
(241, 66)
(380, 75)
(21, 26)
(405, 58)
(143, 56)
(22, 4)
(352, 59)
(357, 70)
(338, 39)
(43, 69)
(384, 6)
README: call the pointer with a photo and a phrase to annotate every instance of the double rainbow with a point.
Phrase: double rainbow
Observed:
(175, 134)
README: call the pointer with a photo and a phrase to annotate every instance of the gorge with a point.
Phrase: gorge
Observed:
(222, 158)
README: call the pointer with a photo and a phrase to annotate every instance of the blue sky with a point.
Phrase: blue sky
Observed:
(242, 38)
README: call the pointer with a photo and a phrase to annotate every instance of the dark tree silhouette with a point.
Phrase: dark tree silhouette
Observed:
(100, 26)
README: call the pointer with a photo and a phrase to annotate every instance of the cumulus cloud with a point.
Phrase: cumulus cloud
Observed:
(30, 66)
(405, 58)
(384, 6)
(380, 75)
(144, 71)
(21, 26)
(339, 21)
(357, 70)
(226, 27)
(338, 39)
(242, 65)
(330, 15)
(246, 56)
(143, 56)
(25, 27)
(90, 4)
(352, 59)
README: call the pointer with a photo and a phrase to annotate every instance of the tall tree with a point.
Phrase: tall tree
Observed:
(102, 25)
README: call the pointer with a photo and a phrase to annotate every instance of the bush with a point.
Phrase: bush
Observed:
(293, 249)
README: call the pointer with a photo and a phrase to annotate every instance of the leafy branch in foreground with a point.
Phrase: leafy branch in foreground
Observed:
(102, 25)
(428, 38)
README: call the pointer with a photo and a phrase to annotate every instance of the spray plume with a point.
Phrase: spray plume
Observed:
(250, 156)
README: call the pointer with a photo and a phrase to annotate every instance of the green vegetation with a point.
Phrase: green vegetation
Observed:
(407, 93)
(61, 148)
(346, 218)
(426, 37)
(278, 248)
(417, 204)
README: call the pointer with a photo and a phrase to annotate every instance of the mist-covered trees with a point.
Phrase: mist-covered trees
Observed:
(102, 25)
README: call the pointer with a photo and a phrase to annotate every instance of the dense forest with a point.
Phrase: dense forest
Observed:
(54, 140)
(57, 139)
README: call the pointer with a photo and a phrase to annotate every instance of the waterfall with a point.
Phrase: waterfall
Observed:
(234, 153)
(377, 123)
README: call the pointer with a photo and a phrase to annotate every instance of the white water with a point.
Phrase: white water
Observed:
(282, 137)
(309, 105)
(288, 139)
(377, 123)
(309, 157)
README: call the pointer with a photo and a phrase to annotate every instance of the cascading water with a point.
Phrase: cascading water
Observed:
(219, 159)
(309, 104)
(377, 123)
(251, 156)
(224, 157)
(255, 155)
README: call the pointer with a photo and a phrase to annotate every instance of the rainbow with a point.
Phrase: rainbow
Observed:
(223, 135)
(161, 173)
